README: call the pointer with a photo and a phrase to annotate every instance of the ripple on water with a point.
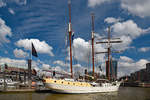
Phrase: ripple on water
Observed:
(125, 93)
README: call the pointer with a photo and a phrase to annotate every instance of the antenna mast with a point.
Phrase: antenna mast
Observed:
(93, 42)
(70, 36)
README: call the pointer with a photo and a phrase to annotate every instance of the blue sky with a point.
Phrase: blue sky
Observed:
(44, 22)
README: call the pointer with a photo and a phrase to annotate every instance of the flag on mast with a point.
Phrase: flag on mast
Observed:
(34, 53)
(72, 37)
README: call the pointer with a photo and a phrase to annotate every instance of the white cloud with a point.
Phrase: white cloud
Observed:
(126, 59)
(111, 20)
(40, 46)
(126, 41)
(82, 50)
(78, 70)
(2, 4)
(21, 2)
(128, 27)
(93, 3)
(128, 65)
(141, 63)
(137, 7)
(20, 53)
(6, 52)
(60, 70)
(45, 66)
(61, 63)
(144, 49)
(127, 31)
(77, 65)
(4, 32)
(11, 11)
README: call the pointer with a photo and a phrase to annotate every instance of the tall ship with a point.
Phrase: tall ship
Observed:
(72, 85)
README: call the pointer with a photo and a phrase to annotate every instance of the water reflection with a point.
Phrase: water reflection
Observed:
(97, 96)
(123, 94)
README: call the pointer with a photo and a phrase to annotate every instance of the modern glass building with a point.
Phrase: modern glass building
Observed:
(112, 71)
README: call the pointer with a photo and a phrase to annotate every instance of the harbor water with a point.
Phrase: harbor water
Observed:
(124, 93)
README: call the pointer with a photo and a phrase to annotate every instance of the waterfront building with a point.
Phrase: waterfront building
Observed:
(16, 73)
(112, 70)
(148, 71)
(142, 75)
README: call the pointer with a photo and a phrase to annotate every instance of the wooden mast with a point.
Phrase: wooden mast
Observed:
(70, 36)
(93, 42)
(109, 50)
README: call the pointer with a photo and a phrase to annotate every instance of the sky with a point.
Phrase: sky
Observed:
(45, 22)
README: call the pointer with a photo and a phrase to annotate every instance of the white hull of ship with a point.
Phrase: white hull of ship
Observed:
(60, 88)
